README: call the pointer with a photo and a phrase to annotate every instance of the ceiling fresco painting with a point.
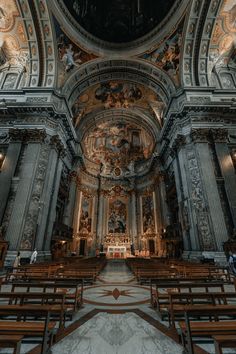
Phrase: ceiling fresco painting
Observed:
(119, 21)
(116, 147)
(14, 51)
(222, 50)
(114, 94)
(167, 54)
(70, 55)
(8, 13)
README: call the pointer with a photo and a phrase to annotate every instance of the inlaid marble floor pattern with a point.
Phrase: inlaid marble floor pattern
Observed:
(119, 334)
(122, 333)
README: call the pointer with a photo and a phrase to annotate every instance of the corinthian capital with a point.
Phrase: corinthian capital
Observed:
(200, 135)
(55, 141)
(219, 135)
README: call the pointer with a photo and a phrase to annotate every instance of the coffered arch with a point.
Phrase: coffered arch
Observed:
(198, 32)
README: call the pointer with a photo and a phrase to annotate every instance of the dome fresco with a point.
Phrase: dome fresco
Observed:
(119, 21)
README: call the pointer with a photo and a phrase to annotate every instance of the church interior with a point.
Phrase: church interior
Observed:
(118, 176)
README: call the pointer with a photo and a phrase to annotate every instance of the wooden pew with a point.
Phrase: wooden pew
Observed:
(11, 341)
(222, 322)
(159, 296)
(59, 309)
(12, 326)
(73, 290)
(177, 301)
(142, 267)
(224, 341)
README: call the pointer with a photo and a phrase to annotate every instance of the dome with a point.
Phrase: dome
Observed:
(119, 21)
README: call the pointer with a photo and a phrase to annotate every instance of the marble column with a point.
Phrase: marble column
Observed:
(17, 221)
(164, 206)
(227, 169)
(45, 200)
(100, 216)
(105, 211)
(215, 211)
(76, 216)
(133, 219)
(186, 217)
(57, 154)
(52, 206)
(7, 172)
(68, 215)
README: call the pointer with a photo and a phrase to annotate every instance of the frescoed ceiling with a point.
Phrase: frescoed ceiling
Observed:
(117, 147)
(119, 21)
(167, 54)
(70, 55)
(14, 50)
(222, 50)
(115, 94)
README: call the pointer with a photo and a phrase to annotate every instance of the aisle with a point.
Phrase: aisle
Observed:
(117, 318)
(116, 271)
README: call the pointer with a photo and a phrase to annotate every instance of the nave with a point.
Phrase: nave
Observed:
(115, 310)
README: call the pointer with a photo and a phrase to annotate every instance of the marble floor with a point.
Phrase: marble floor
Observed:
(119, 334)
(116, 317)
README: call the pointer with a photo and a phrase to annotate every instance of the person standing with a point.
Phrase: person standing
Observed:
(16, 263)
(232, 262)
(33, 256)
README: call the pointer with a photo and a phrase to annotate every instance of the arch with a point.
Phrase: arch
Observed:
(222, 49)
(99, 71)
(198, 29)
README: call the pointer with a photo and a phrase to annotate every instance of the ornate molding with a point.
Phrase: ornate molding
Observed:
(200, 135)
(27, 135)
(219, 135)
(205, 135)
(55, 141)
(199, 204)
(30, 226)
(179, 141)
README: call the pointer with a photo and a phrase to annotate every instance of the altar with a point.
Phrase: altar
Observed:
(116, 252)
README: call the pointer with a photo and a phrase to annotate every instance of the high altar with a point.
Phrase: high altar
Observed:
(121, 204)
(117, 246)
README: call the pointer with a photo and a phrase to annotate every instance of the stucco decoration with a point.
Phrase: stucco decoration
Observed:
(117, 147)
(114, 94)
(167, 54)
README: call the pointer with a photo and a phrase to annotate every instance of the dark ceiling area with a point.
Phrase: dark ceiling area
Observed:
(119, 21)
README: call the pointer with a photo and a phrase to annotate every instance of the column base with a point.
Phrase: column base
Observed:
(219, 257)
